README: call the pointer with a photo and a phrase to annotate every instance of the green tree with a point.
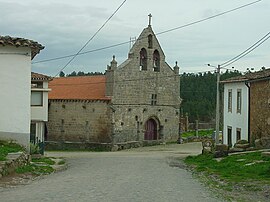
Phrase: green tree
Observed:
(198, 92)
(62, 74)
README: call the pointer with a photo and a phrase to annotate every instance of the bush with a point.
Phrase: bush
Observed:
(34, 149)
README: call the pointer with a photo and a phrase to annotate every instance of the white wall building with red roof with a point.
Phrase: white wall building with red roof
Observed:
(15, 88)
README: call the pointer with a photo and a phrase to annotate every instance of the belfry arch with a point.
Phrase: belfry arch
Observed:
(143, 59)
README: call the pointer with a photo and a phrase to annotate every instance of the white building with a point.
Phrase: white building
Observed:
(236, 110)
(15, 87)
(39, 107)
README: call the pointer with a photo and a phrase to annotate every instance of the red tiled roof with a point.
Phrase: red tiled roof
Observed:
(21, 42)
(78, 88)
(38, 77)
(252, 76)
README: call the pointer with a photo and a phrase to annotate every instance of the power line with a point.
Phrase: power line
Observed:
(247, 51)
(103, 25)
(163, 32)
(208, 18)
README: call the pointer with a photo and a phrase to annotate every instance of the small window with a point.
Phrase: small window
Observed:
(156, 61)
(229, 136)
(36, 98)
(230, 100)
(238, 134)
(150, 41)
(154, 99)
(239, 101)
(33, 133)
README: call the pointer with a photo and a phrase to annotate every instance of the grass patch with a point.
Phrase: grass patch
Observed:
(61, 162)
(34, 169)
(45, 160)
(200, 133)
(8, 147)
(234, 168)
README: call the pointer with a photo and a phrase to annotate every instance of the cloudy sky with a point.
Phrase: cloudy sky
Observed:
(63, 27)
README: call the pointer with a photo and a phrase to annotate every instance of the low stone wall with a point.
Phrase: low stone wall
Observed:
(195, 139)
(94, 146)
(69, 146)
(14, 160)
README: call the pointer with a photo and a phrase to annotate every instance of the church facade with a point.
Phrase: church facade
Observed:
(138, 100)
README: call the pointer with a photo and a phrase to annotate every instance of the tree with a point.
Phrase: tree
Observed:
(198, 92)
(62, 74)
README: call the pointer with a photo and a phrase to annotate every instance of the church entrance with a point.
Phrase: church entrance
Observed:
(151, 128)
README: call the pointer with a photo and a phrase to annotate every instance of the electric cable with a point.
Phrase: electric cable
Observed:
(163, 32)
(103, 25)
(247, 51)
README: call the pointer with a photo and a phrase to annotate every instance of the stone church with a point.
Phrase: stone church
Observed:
(137, 101)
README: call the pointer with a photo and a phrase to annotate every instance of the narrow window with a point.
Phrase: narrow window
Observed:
(36, 98)
(230, 100)
(239, 101)
(62, 125)
(238, 134)
(154, 99)
(156, 61)
(229, 135)
(150, 41)
(143, 59)
(33, 133)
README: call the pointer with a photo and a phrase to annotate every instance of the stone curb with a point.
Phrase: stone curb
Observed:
(14, 160)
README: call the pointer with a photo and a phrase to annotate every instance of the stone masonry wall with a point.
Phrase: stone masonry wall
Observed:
(133, 90)
(260, 109)
(79, 121)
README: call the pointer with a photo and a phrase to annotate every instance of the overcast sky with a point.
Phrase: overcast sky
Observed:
(63, 27)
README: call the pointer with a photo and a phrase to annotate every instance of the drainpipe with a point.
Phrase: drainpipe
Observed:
(248, 86)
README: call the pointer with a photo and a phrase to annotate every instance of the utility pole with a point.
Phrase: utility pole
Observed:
(217, 106)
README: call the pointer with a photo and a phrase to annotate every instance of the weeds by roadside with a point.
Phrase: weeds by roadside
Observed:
(8, 147)
(241, 177)
(200, 133)
(40, 166)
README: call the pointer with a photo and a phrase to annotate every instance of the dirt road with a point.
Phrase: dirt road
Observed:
(144, 174)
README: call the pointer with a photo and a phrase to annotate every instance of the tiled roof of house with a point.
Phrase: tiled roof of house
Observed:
(39, 77)
(21, 42)
(78, 88)
(252, 76)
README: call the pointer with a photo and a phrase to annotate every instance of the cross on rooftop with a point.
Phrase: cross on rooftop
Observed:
(150, 17)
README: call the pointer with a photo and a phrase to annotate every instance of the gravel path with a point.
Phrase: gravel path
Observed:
(144, 174)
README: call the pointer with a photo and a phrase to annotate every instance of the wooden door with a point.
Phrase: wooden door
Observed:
(150, 130)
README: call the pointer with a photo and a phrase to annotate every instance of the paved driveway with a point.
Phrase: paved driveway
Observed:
(145, 174)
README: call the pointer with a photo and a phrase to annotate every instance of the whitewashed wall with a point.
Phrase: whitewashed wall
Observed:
(234, 119)
(15, 77)
(40, 113)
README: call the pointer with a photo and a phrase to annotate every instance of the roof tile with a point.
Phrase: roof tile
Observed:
(78, 88)
(21, 42)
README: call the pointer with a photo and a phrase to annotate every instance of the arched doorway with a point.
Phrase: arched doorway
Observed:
(151, 128)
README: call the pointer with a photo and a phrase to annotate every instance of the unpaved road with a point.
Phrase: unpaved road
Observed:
(144, 174)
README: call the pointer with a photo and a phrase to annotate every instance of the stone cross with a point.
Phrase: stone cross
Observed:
(150, 17)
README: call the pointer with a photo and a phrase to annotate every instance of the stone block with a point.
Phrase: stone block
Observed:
(242, 142)
(219, 154)
(258, 144)
(115, 148)
(207, 150)
(265, 142)
(243, 146)
(267, 154)
(235, 149)
(222, 147)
